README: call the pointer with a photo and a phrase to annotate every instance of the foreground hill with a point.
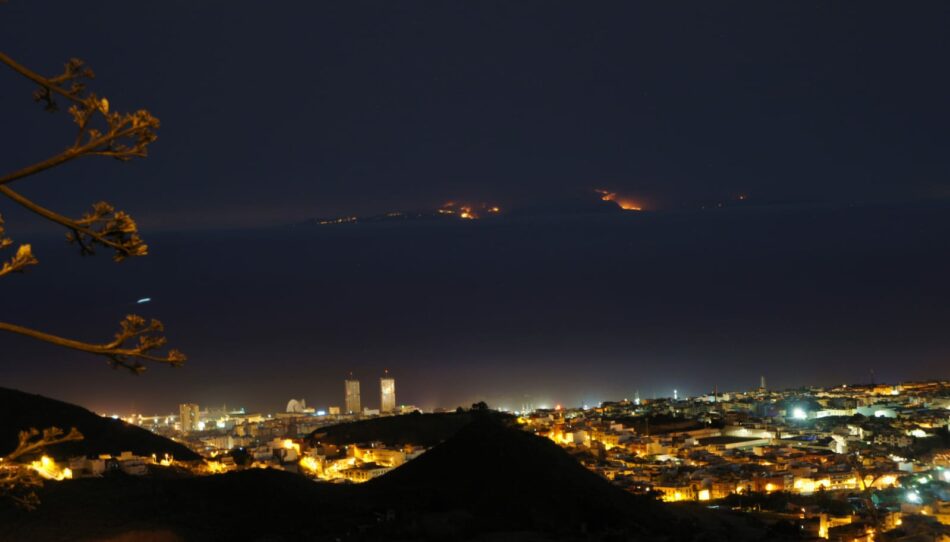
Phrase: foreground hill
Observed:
(21, 411)
(490, 476)
(488, 481)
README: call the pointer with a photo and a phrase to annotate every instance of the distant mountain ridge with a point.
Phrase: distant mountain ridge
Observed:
(20, 411)
(455, 212)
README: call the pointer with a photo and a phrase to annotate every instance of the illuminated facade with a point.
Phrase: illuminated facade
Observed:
(188, 416)
(352, 391)
(387, 394)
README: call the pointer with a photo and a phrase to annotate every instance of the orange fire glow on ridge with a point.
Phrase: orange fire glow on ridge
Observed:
(468, 211)
(624, 203)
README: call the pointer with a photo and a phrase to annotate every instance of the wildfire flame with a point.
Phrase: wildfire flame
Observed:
(624, 203)
(467, 211)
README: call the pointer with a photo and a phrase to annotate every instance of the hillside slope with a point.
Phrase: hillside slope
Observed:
(420, 429)
(22, 411)
(490, 476)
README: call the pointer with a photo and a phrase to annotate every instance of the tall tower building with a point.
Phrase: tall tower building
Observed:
(352, 391)
(188, 416)
(387, 393)
(762, 383)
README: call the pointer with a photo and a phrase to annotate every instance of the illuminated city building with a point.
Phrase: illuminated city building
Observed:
(296, 406)
(352, 396)
(387, 394)
(188, 416)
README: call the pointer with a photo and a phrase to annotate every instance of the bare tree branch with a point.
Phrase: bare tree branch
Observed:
(136, 126)
(122, 136)
(31, 441)
(118, 231)
(75, 70)
(17, 481)
(122, 351)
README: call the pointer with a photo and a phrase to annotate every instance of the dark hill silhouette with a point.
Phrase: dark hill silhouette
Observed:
(491, 477)
(254, 504)
(21, 411)
(421, 429)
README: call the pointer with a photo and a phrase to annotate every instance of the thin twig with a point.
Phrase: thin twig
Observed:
(61, 220)
(51, 437)
(73, 152)
(37, 78)
(112, 350)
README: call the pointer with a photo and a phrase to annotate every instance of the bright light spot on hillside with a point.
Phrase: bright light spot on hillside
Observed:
(49, 470)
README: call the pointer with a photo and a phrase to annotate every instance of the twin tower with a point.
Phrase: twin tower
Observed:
(387, 395)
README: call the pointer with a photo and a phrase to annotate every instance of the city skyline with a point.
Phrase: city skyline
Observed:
(528, 403)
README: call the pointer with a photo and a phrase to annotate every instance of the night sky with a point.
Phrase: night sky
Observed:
(830, 119)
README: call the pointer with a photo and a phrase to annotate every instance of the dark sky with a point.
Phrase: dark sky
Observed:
(831, 117)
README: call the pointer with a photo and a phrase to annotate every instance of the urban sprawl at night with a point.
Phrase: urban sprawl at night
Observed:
(825, 458)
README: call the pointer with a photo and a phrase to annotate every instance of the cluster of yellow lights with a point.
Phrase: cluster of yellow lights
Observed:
(888, 480)
(215, 467)
(49, 470)
(333, 470)
(291, 445)
(807, 485)
(341, 220)
(678, 496)
(559, 437)
(167, 460)
(310, 464)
